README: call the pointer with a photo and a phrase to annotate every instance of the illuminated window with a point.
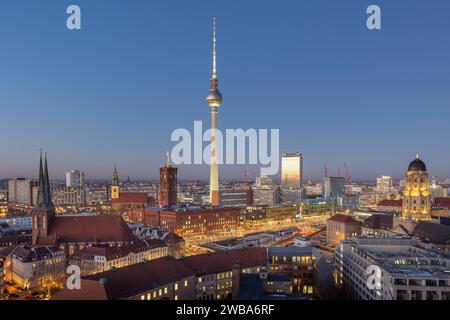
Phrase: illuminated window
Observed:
(143, 297)
(165, 290)
(149, 296)
(176, 286)
(176, 297)
(186, 283)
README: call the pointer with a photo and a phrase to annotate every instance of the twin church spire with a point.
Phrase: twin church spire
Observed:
(44, 198)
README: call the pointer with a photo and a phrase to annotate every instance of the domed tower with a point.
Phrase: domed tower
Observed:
(214, 100)
(416, 197)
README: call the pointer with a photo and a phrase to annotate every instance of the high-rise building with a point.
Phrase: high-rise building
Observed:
(214, 100)
(74, 178)
(333, 187)
(291, 177)
(22, 192)
(291, 171)
(384, 185)
(416, 196)
(168, 185)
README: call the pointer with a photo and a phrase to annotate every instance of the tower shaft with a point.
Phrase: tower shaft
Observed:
(214, 167)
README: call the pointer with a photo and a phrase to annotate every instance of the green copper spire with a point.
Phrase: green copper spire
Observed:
(115, 177)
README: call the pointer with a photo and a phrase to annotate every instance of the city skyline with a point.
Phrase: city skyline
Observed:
(93, 102)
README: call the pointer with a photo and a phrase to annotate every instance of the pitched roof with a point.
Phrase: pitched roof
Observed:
(441, 202)
(391, 203)
(87, 229)
(131, 197)
(90, 290)
(343, 218)
(216, 262)
(379, 221)
(115, 252)
(432, 232)
(132, 280)
(135, 279)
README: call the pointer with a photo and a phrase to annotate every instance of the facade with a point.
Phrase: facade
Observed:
(270, 215)
(213, 276)
(237, 198)
(93, 260)
(342, 227)
(384, 185)
(121, 201)
(317, 207)
(30, 267)
(394, 206)
(416, 196)
(379, 225)
(168, 185)
(22, 192)
(2, 277)
(17, 222)
(333, 187)
(291, 177)
(70, 196)
(406, 271)
(186, 220)
(266, 195)
(74, 178)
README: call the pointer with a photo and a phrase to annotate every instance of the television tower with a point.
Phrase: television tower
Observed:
(214, 100)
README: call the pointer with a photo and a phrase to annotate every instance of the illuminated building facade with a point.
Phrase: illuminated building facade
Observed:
(317, 207)
(291, 177)
(384, 185)
(212, 276)
(270, 215)
(30, 267)
(416, 196)
(342, 227)
(408, 272)
(187, 220)
(22, 192)
(95, 259)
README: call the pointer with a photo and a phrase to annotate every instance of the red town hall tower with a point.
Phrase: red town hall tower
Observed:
(168, 185)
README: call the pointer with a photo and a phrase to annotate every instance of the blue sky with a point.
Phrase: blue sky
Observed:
(114, 91)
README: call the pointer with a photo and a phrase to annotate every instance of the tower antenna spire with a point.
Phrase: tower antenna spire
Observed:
(214, 71)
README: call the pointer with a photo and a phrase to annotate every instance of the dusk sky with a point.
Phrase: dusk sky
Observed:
(114, 91)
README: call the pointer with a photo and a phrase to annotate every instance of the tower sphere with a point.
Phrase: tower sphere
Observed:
(214, 97)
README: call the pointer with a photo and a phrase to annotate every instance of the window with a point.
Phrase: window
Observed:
(176, 286)
(186, 283)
